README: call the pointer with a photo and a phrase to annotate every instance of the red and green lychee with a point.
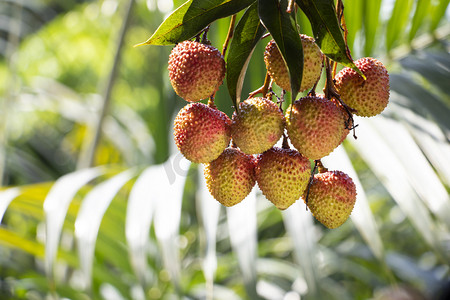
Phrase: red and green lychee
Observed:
(201, 133)
(196, 70)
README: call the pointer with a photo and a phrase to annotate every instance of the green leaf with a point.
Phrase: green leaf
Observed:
(371, 20)
(353, 19)
(397, 22)
(191, 17)
(327, 30)
(283, 28)
(438, 13)
(248, 32)
(422, 10)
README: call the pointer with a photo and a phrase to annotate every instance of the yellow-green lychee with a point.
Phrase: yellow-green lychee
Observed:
(195, 70)
(257, 126)
(312, 64)
(282, 175)
(230, 177)
(368, 97)
(315, 126)
(201, 133)
(332, 196)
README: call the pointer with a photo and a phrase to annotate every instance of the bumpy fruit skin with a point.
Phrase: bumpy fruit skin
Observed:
(315, 126)
(201, 133)
(312, 64)
(282, 175)
(368, 97)
(258, 125)
(231, 177)
(332, 197)
(195, 70)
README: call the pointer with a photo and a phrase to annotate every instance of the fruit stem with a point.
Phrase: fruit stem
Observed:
(321, 167)
(211, 102)
(331, 92)
(264, 89)
(285, 144)
(265, 35)
(229, 35)
(311, 178)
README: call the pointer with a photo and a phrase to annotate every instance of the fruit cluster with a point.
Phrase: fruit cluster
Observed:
(315, 125)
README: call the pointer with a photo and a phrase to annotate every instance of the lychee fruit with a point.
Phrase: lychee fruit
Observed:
(195, 70)
(257, 126)
(315, 126)
(282, 175)
(201, 133)
(332, 196)
(368, 97)
(312, 64)
(230, 177)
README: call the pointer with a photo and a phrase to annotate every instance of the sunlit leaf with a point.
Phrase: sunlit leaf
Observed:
(6, 196)
(384, 163)
(371, 24)
(419, 173)
(243, 237)
(397, 22)
(140, 209)
(193, 16)
(361, 215)
(55, 207)
(90, 216)
(300, 227)
(209, 213)
(248, 32)
(438, 12)
(167, 191)
(421, 12)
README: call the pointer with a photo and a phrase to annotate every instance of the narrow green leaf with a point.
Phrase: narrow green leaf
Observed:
(353, 20)
(248, 32)
(191, 17)
(283, 28)
(397, 22)
(422, 10)
(299, 225)
(327, 30)
(438, 13)
(371, 19)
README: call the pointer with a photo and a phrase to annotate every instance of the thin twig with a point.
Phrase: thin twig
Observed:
(331, 92)
(311, 178)
(229, 35)
(264, 89)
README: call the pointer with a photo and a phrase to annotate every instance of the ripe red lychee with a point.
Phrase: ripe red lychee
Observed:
(315, 126)
(195, 70)
(231, 177)
(257, 126)
(201, 133)
(331, 199)
(312, 64)
(282, 175)
(368, 97)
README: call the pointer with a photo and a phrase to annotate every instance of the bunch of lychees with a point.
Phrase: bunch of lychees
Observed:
(241, 151)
